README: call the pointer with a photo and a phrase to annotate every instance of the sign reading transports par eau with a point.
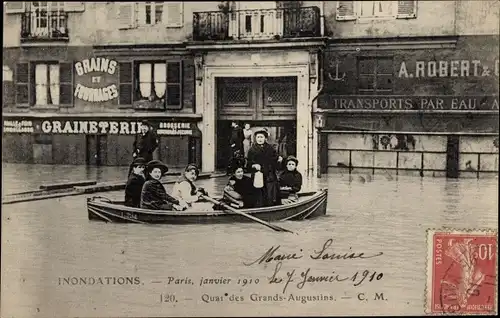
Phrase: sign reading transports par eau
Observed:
(412, 103)
(93, 127)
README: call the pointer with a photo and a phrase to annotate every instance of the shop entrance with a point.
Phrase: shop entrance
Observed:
(258, 102)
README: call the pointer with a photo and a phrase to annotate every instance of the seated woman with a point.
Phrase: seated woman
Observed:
(290, 181)
(239, 192)
(135, 183)
(153, 195)
(185, 190)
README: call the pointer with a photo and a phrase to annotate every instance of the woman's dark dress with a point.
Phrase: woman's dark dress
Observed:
(155, 197)
(267, 158)
(291, 179)
(241, 191)
(133, 190)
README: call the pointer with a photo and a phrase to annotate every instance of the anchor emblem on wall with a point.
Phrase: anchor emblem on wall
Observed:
(336, 78)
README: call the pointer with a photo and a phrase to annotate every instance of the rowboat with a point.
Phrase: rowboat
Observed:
(309, 205)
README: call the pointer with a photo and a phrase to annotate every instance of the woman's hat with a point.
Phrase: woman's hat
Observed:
(157, 164)
(192, 166)
(261, 131)
(292, 158)
(139, 161)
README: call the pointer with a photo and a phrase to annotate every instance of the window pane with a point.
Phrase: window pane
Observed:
(367, 8)
(173, 95)
(366, 66)
(384, 66)
(174, 72)
(158, 11)
(365, 82)
(66, 70)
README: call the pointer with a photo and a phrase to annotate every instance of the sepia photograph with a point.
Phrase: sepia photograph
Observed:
(250, 158)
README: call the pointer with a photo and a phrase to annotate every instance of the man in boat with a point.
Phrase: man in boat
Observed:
(290, 181)
(239, 192)
(153, 195)
(145, 143)
(185, 190)
(262, 157)
(135, 183)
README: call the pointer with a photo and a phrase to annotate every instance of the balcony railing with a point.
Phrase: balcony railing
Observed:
(257, 24)
(44, 25)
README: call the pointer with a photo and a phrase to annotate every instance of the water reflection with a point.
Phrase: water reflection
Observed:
(57, 240)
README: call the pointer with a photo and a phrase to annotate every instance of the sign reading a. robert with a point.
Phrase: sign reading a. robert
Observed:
(93, 87)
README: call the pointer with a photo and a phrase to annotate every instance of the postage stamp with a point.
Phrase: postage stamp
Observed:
(461, 271)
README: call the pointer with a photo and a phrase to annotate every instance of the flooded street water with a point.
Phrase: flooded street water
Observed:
(45, 242)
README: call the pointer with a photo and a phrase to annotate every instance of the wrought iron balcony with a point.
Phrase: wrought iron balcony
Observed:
(257, 24)
(44, 25)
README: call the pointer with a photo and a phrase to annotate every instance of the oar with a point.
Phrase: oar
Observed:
(272, 226)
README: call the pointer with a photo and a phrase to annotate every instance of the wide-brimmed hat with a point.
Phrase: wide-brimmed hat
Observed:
(292, 158)
(157, 164)
(139, 161)
(261, 131)
(192, 166)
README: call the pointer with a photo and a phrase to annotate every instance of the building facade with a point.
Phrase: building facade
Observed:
(76, 94)
(410, 88)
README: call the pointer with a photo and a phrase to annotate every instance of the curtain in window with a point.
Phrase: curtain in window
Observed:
(367, 8)
(160, 74)
(54, 83)
(384, 7)
(145, 79)
(41, 84)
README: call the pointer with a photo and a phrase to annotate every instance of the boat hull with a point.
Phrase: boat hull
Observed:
(308, 207)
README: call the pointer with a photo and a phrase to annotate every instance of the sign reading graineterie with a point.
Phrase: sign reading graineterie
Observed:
(411, 103)
(95, 90)
(111, 127)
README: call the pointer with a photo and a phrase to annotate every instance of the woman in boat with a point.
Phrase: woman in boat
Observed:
(153, 195)
(262, 157)
(239, 192)
(185, 190)
(290, 181)
(135, 183)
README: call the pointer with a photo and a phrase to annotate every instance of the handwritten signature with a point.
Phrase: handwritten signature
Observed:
(307, 276)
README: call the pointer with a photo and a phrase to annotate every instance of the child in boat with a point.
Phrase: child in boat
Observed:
(239, 191)
(153, 195)
(135, 183)
(185, 190)
(290, 181)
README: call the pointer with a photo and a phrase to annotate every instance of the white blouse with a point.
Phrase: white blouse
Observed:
(182, 191)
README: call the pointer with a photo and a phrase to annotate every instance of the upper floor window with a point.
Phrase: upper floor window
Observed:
(39, 7)
(375, 75)
(133, 14)
(44, 84)
(353, 10)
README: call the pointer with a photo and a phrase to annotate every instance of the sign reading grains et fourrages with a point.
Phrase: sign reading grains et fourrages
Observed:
(96, 87)
(111, 127)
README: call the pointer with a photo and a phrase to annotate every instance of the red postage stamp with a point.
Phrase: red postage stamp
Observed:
(461, 272)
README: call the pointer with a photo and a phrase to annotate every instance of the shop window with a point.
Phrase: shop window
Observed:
(353, 10)
(44, 84)
(375, 75)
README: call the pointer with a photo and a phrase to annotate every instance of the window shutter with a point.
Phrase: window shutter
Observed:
(22, 84)
(66, 84)
(125, 86)
(407, 9)
(15, 7)
(126, 15)
(74, 6)
(173, 99)
(173, 13)
(345, 11)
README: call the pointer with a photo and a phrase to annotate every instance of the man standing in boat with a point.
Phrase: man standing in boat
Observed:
(145, 143)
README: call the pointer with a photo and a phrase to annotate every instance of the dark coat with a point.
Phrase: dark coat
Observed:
(145, 145)
(237, 138)
(291, 179)
(245, 189)
(133, 190)
(155, 197)
(267, 157)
